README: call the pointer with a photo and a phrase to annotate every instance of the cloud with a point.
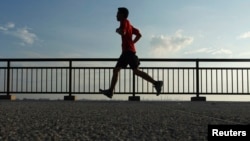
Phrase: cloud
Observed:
(24, 33)
(6, 27)
(163, 45)
(245, 35)
(10, 25)
(210, 51)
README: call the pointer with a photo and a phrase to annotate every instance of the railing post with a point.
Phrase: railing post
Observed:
(197, 79)
(70, 97)
(8, 96)
(198, 98)
(8, 78)
(133, 84)
(134, 98)
(70, 77)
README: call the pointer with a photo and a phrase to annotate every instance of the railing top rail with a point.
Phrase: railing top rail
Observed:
(115, 59)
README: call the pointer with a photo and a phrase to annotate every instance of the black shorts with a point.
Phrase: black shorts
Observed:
(128, 58)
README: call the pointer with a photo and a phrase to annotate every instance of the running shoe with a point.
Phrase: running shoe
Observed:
(158, 85)
(107, 93)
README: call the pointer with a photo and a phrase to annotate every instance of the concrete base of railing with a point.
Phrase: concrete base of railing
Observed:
(198, 98)
(134, 98)
(70, 98)
(7, 97)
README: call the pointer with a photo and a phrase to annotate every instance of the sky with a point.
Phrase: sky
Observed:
(86, 28)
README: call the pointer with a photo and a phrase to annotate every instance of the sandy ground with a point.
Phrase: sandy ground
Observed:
(114, 120)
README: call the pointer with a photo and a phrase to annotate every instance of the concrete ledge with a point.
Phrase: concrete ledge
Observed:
(134, 98)
(7, 97)
(70, 98)
(198, 98)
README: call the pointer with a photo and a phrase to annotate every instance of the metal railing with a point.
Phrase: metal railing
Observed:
(199, 77)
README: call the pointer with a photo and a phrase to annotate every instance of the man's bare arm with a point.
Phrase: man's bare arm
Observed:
(137, 38)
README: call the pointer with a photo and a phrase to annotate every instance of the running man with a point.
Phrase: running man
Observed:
(128, 56)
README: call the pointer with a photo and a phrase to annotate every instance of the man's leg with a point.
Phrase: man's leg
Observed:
(114, 78)
(144, 75)
(109, 92)
(157, 84)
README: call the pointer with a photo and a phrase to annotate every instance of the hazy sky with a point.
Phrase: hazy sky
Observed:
(86, 28)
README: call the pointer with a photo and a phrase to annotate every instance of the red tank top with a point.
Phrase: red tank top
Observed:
(127, 38)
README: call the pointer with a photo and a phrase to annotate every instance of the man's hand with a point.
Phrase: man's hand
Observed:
(119, 31)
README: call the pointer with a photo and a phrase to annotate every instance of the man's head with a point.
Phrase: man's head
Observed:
(122, 13)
